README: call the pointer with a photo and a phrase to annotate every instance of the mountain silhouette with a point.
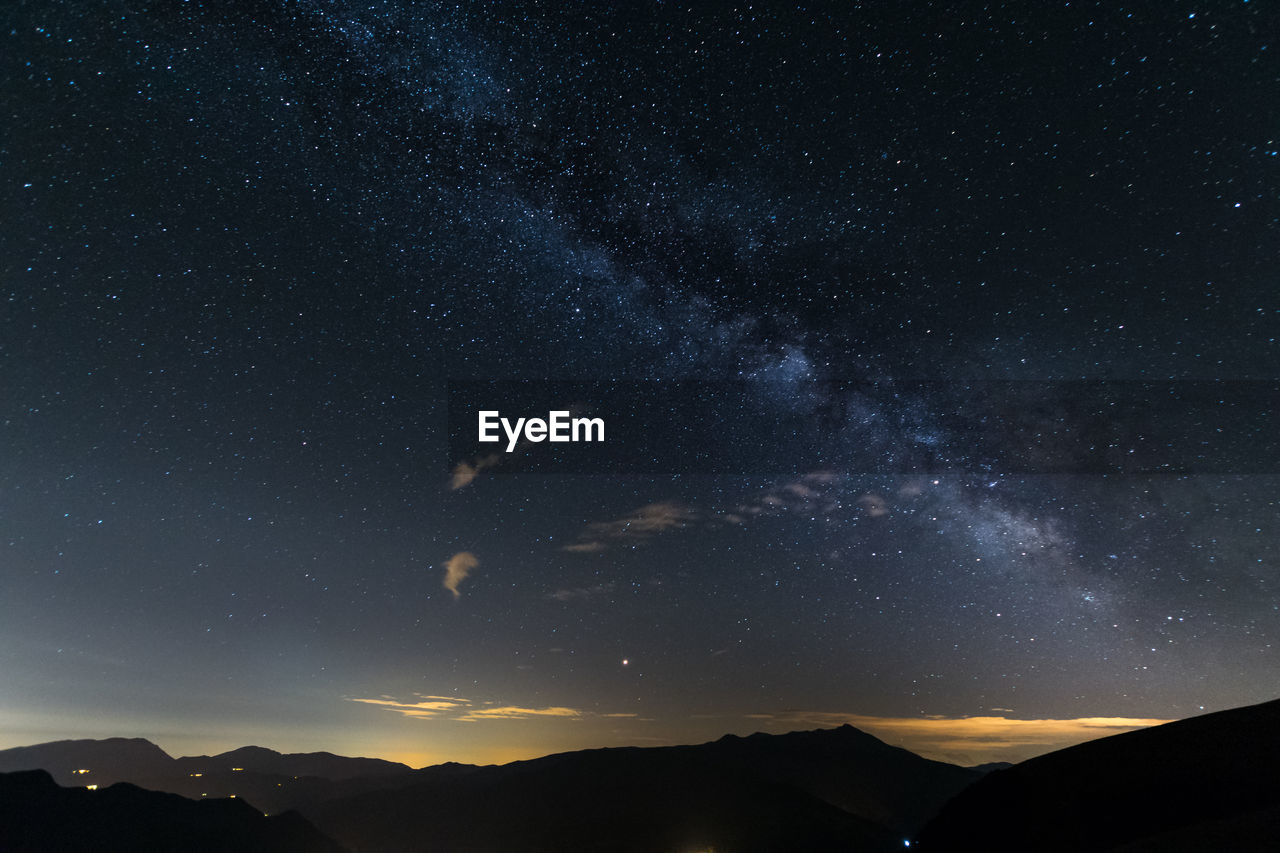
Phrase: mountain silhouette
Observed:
(839, 789)
(326, 765)
(834, 789)
(991, 766)
(38, 816)
(1205, 783)
(274, 782)
(111, 760)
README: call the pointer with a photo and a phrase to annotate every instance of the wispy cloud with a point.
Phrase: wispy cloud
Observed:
(815, 493)
(968, 740)
(581, 593)
(585, 547)
(429, 706)
(467, 711)
(456, 569)
(874, 505)
(465, 473)
(515, 712)
(639, 525)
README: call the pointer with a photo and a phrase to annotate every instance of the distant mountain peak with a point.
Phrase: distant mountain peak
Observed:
(250, 751)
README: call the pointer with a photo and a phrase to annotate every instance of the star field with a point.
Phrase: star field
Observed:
(246, 249)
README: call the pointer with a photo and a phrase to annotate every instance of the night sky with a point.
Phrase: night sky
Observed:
(246, 247)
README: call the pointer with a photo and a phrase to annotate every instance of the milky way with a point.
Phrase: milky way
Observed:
(246, 250)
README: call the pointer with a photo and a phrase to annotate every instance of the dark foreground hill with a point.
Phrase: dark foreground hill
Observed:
(837, 789)
(1206, 783)
(38, 816)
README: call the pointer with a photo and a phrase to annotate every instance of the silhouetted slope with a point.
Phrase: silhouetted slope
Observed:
(272, 781)
(111, 760)
(837, 789)
(827, 790)
(627, 807)
(991, 766)
(1252, 832)
(1205, 783)
(38, 816)
(847, 768)
(326, 765)
(271, 792)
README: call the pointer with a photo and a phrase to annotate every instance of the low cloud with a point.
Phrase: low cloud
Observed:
(968, 740)
(456, 569)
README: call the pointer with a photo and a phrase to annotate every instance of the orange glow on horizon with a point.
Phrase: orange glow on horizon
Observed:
(959, 740)
(972, 740)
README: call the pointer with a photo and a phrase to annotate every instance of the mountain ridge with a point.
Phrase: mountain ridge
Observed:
(831, 788)
(824, 789)
(1200, 783)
